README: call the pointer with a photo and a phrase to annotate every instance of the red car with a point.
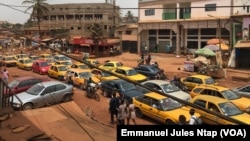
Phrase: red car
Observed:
(21, 84)
(40, 66)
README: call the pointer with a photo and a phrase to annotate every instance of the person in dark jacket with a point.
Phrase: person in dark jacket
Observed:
(113, 107)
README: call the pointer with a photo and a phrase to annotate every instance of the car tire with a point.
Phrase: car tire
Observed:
(67, 98)
(27, 106)
(138, 113)
(169, 122)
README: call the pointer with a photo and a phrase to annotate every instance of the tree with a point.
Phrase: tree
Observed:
(39, 8)
(130, 17)
(96, 33)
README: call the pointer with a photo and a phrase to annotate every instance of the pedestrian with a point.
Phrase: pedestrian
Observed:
(5, 75)
(113, 106)
(148, 59)
(85, 57)
(131, 112)
(122, 112)
(182, 120)
(192, 120)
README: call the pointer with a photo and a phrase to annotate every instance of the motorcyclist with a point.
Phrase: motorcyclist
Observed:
(89, 81)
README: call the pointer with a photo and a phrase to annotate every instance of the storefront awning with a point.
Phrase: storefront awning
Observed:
(113, 41)
(243, 44)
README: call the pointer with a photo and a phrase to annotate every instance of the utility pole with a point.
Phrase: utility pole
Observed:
(113, 30)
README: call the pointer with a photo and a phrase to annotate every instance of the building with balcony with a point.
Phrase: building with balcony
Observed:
(77, 18)
(190, 23)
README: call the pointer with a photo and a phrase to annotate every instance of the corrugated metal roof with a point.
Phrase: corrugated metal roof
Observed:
(243, 44)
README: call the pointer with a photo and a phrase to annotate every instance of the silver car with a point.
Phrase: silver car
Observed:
(167, 88)
(243, 91)
(43, 94)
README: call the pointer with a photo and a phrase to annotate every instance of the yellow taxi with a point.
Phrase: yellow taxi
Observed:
(24, 63)
(9, 60)
(63, 62)
(79, 65)
(22, 55)
(93, 62)
(111, 65)
(102, 75)
(130, 73)
(221, 111)
(79, 77)
(160, 108)
(193, 80)
(219, 91)
(57, 71)
(47, 57)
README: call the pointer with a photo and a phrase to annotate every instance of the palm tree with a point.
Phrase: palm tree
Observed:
(130, 17)
(96, 33)
(39, 8)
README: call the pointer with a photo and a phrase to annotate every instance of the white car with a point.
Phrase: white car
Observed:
(167, 88)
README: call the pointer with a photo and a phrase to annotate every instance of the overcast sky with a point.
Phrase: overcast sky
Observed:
(16, 13)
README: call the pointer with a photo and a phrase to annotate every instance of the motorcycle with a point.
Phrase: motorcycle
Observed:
(92, 91)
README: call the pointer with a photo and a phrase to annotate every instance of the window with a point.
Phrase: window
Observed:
(23, 84)
(49, 89)
(128, 32)
(200, 103)
(60, 87)
(34, 81)
(212, 107)
(210, 7)
(149, 12)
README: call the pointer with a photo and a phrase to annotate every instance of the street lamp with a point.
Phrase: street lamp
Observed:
(218, 29)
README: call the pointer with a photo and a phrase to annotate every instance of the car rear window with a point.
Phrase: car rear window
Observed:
(209, 81)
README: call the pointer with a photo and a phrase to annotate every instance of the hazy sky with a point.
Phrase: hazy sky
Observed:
(15, 13)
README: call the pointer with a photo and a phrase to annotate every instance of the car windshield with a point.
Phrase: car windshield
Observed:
(229, 109)
(230, 95)
(66, 63)
(24, 56)
(169, 104)
(105, 74)
(44, 64)
(131, 72)
(62, 68)
(35, 58)
(9, 58)
(209, 81)
(155, 69)
(83, 66)
(85, 74)
(168, 88)
(63, 58)
(35, 90)
(127, 86)
(13, 83)
(27, 61)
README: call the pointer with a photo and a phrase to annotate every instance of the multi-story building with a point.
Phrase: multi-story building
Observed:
(189, 23)
(77, 18)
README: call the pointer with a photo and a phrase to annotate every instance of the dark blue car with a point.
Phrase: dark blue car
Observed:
(151, 71)
(125, 88)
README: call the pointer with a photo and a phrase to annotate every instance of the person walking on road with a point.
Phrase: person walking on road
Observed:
(113, 107)
(131, 112)
(5, 75)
